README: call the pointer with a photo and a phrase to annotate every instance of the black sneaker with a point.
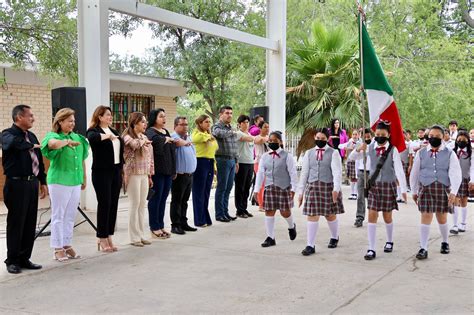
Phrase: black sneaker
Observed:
(269, 242)
(358, 222)
(292, 232)
(444, 248)
(370, 255)
(388, 248)
(422, 254)
(333, 243)
(309, 250)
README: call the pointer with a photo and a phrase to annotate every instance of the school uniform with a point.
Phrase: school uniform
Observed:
(404, 157)
(467, 170)
(351, 167)
(321, 174)
(278, 170)
(359, 165)
(471, 193)
(435, 173)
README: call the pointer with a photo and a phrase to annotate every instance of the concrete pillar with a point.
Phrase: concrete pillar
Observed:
(276, 65)
(93, 57)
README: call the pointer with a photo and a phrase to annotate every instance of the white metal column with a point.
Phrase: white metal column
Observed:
(276, 65)
(93, 44)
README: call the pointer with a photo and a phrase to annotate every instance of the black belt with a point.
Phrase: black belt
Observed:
(27, 178)
(367, 171)
(185, 174)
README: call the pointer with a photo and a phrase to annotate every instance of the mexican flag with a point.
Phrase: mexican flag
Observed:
(379, 93)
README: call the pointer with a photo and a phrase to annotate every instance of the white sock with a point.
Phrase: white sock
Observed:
(455, 215)
(291, 222)
(399, 192)
(311, 231)
(354, 188)
(424, 235)
(334, 228)
(371, 229)
(270, 226)
(463, 215)
(389, 229)
(443, 228)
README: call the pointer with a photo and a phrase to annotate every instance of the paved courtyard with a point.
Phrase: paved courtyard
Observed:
(223, 269)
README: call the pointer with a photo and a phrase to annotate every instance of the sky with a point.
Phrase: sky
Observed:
(136, 44)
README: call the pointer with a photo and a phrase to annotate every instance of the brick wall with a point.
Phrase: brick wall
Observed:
(169, 105)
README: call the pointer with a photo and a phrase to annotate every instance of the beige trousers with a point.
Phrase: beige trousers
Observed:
(137, 190)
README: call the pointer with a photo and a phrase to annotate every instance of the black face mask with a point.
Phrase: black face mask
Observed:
(368, 141)
(434, 142)
(462, 144)
(321, 143)
(381, 140)
(273, 146)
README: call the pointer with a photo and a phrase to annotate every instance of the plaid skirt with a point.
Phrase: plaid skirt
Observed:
(464, 188)
(276, 198)
(318, 200)
(351, 170)
(383, 197)
(434, 199)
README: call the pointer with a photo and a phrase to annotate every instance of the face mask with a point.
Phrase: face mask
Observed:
(273, 146)
(368, 141)
(462, 144)
(434, 142)
(381, 140)
(321, 143)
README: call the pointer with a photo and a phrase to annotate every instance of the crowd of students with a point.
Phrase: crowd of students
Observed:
(148, 162)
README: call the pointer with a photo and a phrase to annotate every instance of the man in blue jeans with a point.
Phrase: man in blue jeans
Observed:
(226, 160)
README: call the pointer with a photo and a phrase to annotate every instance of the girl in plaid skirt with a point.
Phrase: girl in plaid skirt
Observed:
(463, 151)
(435, 179)
(278, 168)
(350, 164)
(320, 182)
(383, 194)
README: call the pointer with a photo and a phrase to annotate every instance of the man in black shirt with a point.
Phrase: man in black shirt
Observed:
(24, 168)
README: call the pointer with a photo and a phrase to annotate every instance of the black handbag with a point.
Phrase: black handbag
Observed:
(373, 178)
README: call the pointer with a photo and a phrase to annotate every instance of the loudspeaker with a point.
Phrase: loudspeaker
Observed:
(261, 110)
(74, 98)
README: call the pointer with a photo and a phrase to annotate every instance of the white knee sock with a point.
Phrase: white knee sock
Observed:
(463, 215)
(371, 229)
(456, 215)
(291, 222)
(270, 226)
(354, 188)
(334, 228)
(424, 235)
(311, 230)
(399, 192)
(444, 230)
(389, 229)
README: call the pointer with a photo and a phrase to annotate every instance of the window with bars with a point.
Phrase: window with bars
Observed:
(124, 103)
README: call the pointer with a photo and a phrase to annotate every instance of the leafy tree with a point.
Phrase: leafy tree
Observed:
(42, 32)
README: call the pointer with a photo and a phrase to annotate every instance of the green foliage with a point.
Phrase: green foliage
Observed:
(323, 80)
(41, 32)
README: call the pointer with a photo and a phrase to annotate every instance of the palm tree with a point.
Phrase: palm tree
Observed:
(323, 80)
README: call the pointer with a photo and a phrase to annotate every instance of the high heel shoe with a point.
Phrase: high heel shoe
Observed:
(60, 259)
(71, 253)
(114, 248)
(103, 248)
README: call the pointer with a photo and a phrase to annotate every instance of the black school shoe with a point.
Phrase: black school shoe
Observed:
(358, 222)
(13, 269)
(249, 215)
(242, 215)
(388, 248)
(444, 248)
(268, 242)
(229, 217)
(370, 255)
(422, 254)
(292, 232)
(309, 250)
(333, 243)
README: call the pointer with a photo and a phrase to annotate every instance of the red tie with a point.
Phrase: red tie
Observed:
(434, 152)
(274, 153)
(380, 150)
(319, 155)
(461, 152)
(34, 158)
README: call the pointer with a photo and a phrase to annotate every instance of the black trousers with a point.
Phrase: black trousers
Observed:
(107, 184)
(21, 199)
(243, 181)
(180, 192)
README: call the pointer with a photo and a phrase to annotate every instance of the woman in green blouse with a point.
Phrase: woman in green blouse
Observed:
(66, 151)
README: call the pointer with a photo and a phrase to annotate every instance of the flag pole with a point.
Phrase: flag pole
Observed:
(362, 90)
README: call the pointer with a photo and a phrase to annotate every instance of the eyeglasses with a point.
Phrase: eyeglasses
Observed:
(183, 125)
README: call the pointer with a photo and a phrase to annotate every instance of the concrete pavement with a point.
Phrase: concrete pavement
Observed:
(223, 269)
